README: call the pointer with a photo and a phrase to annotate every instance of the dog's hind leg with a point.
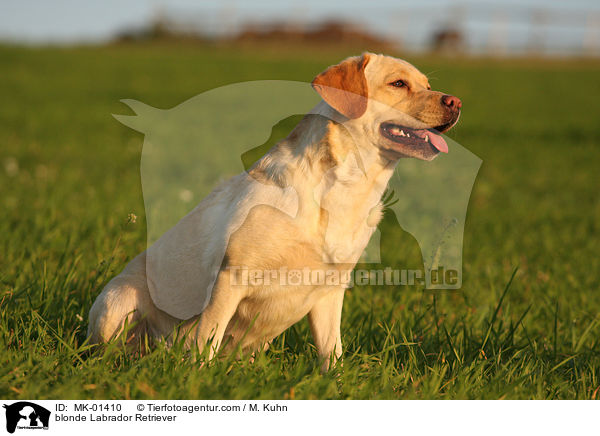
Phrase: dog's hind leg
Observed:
(209, 327)
(124, 301)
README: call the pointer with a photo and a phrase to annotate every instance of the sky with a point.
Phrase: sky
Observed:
(409, 21)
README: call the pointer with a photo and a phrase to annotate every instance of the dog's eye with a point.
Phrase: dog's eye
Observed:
(399, 84)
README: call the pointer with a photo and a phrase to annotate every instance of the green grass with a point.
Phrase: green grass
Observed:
(535, 210)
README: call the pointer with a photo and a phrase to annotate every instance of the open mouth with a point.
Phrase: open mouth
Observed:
(414, 137)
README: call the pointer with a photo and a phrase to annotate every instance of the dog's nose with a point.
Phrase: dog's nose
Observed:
(451, 101)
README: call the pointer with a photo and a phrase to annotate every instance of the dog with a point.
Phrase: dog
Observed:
(311, 203)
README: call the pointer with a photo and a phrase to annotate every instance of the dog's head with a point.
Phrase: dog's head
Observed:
(391, 102)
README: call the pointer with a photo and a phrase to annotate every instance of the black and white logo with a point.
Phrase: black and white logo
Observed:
(26, 415)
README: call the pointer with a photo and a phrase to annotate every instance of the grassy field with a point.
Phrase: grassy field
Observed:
(69, 177)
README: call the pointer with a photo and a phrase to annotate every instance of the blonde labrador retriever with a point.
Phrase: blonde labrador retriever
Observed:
(311, 203)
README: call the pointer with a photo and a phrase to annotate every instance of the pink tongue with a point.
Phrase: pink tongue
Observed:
(436, 140)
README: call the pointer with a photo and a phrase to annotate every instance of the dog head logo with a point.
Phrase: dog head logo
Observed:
(26, 415)
(190, 149)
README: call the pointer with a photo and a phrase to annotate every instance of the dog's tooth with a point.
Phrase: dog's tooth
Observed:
(408, 134)
(402, 133)
(426, 138)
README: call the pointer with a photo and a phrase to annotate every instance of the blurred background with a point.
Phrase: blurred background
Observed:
(511, 28)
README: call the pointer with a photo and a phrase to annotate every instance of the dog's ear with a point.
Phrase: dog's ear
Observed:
(344, 86)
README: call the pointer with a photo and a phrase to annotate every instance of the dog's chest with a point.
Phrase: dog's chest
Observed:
(347, 236)
(353, 215)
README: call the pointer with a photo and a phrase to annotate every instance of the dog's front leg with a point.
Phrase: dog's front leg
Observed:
(324, 319)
